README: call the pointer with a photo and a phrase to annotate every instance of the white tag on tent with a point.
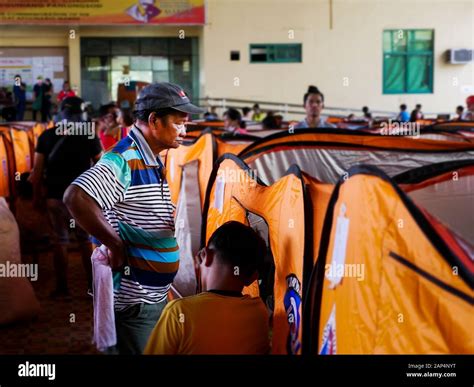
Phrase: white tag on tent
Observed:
(219, 193)
(336, 269)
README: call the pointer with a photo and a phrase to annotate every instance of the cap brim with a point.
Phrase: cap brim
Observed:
(189, 108)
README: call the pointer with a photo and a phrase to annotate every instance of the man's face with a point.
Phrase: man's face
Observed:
(314, 105)
(170, 131)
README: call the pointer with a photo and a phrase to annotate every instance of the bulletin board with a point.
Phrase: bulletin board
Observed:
(31, 62)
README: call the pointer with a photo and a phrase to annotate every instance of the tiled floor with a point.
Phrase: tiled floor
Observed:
(63, 326)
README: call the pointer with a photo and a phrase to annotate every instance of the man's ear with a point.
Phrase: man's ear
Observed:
(208, 257)
(153, 121)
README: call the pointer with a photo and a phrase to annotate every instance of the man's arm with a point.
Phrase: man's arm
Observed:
(36, 178)
(88, 214)
(98, 189)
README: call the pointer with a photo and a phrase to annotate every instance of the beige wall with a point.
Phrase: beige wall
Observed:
(353, 49)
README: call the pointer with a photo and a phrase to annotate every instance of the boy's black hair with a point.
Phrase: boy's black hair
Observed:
(270, 122)
(104, 109)
(233, 114)
(72, 105)
(240, 246)
(245, 110)
(403, 107)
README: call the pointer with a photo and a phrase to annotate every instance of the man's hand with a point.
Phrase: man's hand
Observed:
(36, 180)
(117, 255)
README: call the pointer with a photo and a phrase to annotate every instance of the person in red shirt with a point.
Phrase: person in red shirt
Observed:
(66, 92)
(113, 125)
(125, 121)
(108, 126)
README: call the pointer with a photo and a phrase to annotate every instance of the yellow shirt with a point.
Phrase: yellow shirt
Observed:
(258, 117)
(210, 323)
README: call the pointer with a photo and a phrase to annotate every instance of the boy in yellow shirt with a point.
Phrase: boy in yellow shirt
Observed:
(220, 320)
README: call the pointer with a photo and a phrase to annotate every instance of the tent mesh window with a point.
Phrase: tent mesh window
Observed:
(267, 273)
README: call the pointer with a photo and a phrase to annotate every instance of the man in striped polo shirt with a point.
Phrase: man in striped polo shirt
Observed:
(124, 203)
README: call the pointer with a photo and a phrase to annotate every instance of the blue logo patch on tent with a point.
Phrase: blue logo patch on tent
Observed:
(329, 335)
(292, 303)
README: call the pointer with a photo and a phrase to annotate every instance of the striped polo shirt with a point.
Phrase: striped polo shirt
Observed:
(127, 185)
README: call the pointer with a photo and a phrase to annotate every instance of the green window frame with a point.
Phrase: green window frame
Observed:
(408, 65)
(276, 53)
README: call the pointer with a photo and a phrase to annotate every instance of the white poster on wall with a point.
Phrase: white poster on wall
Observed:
(30, 68)
(9, 67)
(48, 60)
(37, 72)
(38, 61)
(48, 72)
(57, 84)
